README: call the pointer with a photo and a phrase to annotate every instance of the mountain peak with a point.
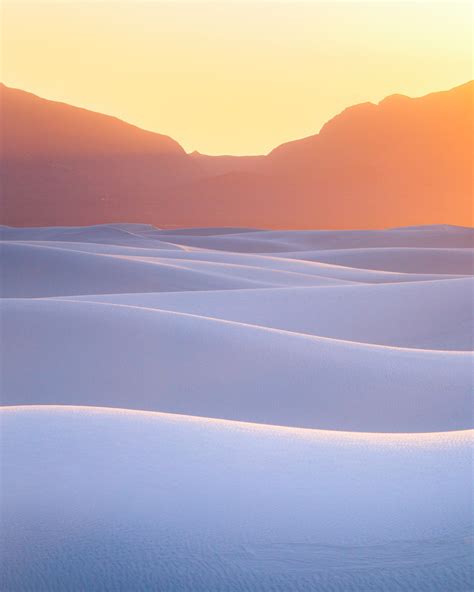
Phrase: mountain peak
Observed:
(34, 127)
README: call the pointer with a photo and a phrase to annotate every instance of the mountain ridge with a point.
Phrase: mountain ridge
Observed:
(399, 162)
(21, 108)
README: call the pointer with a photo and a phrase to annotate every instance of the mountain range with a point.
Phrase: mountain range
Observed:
(403, 161)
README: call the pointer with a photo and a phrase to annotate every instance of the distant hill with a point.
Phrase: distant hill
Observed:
(37, 128)
(65, 165)
(403, 161)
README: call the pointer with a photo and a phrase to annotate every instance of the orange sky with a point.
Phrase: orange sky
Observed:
(236, 77)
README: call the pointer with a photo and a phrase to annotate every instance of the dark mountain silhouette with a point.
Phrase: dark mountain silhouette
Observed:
(403, 161)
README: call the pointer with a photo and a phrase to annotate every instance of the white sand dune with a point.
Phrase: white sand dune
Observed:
(195, 259)
(424, 315)
(140, 358)
(30, 271)
(404, 260)
(108, 232)
(119, 500)
(38, 269)
(146, 323)
(249, 239)
(105, 233)
(302, 240)
(365, 338)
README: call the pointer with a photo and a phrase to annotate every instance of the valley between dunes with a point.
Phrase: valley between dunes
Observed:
(228, 409)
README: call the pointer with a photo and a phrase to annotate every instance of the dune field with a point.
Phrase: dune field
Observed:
(232, 409)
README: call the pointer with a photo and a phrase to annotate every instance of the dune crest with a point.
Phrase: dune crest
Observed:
(243, 324)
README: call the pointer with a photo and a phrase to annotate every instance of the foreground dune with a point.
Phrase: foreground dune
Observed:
(116, 500)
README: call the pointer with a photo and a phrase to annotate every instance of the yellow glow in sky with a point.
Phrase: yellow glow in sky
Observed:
(229, 77)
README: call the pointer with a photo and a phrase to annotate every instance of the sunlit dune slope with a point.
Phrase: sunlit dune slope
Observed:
(118, 500)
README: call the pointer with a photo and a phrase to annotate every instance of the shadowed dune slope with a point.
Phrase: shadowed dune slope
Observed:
(281, 241)
(408, 260)
(83, 353)
(425, 315)
(251, 240)
(140, 258)
(34, 270)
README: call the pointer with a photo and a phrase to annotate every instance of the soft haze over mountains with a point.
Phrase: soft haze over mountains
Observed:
(402, 162)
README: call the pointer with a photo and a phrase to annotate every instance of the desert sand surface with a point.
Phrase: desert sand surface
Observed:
(220, 409)
(118, 500)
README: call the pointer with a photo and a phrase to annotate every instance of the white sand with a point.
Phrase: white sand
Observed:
(75, 352)
(351, 332)
(112, 500)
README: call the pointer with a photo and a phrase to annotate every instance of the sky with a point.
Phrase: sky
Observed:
(233, 77)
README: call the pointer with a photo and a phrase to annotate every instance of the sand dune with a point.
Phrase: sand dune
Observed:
(405, 260)
(117, 500)
(132, 235)
(140, 358)
(365, 338)
(53, 268)
(394, 314)
(186, 256)
(143, 318)
(436, 236)
(32, 271)
(280, 240)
